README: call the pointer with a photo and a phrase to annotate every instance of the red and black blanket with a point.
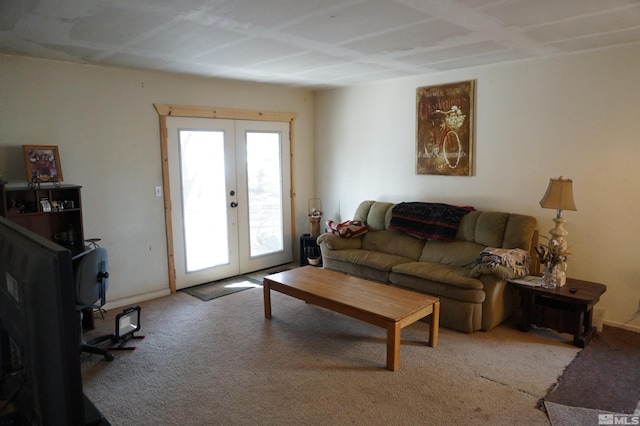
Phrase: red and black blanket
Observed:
(433, 221)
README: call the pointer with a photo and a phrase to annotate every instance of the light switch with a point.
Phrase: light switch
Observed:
(158, 191)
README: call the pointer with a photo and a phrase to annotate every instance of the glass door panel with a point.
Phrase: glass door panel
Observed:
(264, 209)
(204, 200)
(201, 155)
(264, 178)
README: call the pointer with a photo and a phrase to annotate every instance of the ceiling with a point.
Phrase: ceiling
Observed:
(311, 43)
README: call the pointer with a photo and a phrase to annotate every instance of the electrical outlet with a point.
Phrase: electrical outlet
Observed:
(158, 191)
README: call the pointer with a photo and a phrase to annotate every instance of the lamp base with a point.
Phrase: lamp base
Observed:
(558, 232)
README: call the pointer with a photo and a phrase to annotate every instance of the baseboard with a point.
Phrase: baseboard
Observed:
(113, 304)
(630, 327)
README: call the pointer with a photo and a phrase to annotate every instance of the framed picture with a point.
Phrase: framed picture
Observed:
(42, 163)
(445, 120)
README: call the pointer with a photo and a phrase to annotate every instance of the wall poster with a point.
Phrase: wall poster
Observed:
(445, 117)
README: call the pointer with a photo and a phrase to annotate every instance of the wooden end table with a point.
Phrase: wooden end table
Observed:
(561, 309)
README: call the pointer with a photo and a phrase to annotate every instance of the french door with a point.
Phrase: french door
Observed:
(230, 197)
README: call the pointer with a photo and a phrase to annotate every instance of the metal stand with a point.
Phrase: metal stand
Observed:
(35, 182)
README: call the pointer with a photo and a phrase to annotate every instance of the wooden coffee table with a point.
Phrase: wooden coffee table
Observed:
(382, 305)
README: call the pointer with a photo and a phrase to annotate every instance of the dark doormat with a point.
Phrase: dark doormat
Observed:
(604, 375)
(215, 289)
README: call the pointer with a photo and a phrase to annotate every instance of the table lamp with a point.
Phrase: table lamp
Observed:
(559, 196)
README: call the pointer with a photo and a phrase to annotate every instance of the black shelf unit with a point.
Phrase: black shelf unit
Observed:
(53, 212)
(309, 249)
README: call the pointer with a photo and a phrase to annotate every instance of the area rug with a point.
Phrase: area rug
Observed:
(564, 415)
(215, 289)
(604, 376)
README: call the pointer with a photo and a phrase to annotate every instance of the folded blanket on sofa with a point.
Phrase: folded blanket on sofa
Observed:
(433, 221)
(347, 229)
(516, 260)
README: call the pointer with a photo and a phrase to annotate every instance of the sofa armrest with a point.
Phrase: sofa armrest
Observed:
(500, 271)
(333, 242)
(501, 300)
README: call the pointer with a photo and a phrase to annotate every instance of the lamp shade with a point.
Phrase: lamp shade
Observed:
(559, 195)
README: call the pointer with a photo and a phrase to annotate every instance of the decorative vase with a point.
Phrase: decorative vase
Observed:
(561, 277)
(548, 278)
(553, 276)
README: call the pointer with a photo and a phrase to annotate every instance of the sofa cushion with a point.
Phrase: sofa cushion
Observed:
(467, 226)
(438, 289)
(455, 253)
(490, 228)
(519, 232)
(368, 258)
(363, 210)
(376, 217)
(354, 269)
(393, 242)
(453, 275)
(334, 242)
(373, 213)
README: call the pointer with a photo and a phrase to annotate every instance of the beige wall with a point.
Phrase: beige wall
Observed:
(573, 115)
(576, 116)
(106, 127)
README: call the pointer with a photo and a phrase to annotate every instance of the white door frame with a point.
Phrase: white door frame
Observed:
(164, 111)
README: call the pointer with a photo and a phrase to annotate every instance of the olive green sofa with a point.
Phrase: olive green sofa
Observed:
(472, 297)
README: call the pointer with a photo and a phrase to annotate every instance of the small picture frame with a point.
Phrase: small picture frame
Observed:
(46, 206)
(42, 163)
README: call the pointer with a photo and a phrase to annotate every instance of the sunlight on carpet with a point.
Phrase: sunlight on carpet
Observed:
(215, 289)
(243, 285)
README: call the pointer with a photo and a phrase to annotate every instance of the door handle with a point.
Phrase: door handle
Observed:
(234, 204)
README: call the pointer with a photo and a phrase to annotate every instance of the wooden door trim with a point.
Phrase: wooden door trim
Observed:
(166, 110)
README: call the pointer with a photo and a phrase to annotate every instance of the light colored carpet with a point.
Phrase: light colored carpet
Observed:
(222, 363)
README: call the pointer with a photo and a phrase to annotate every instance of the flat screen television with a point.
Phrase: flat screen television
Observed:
(39, 329)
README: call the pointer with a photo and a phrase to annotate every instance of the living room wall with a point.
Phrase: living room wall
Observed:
(574, 115)
(107, 130)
